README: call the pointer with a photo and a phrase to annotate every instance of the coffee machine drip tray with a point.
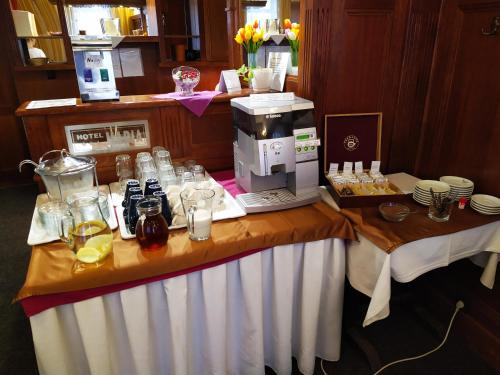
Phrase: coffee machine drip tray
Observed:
(273, 200)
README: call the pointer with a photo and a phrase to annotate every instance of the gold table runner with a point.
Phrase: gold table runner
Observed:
(53, 267)
(388, 236)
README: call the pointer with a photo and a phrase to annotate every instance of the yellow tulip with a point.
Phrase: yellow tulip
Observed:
(238, 39)
(296, 32)
(241, 32)
(256, 37)
(248, 35)
(248, 28)
(295, 25)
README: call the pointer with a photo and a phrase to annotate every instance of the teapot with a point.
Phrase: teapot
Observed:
(64, 174)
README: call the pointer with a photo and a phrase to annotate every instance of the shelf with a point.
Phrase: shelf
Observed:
(195, 64)
(42, 37)
(181, 36)
(140, 39)
(53, 66)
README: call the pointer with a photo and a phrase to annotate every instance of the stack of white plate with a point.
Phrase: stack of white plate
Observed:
(422, 190)
(461, 187)
(485, 204)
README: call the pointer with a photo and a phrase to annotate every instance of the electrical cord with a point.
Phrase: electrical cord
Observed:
(459, 305)
(322, 369)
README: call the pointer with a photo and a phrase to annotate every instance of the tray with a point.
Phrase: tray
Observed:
(38, 235)
(232, 210)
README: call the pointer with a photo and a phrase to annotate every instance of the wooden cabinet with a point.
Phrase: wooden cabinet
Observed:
(207, 139)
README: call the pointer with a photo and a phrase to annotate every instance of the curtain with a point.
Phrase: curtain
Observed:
(123, 14)
(47, 19)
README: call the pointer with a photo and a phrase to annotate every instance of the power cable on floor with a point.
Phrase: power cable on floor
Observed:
(458, 306)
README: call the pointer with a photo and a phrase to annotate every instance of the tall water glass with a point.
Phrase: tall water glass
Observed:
(124, 170)
(162, 157)
(197, 206)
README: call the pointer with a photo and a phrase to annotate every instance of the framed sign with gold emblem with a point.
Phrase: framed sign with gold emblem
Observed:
(352, 137)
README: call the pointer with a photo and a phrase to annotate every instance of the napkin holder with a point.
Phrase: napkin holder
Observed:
(351, 138)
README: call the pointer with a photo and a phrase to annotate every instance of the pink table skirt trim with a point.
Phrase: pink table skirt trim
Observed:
(36, 304)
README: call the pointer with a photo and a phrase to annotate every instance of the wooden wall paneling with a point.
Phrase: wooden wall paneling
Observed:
(366, 61)
(462, 117)
(40, 85)
(174, 126)
(147, 84)
(36, 128)
(210, 137)
(414, 82)
(106, 169)
(233, 22)
(215, 26)
(13, 142)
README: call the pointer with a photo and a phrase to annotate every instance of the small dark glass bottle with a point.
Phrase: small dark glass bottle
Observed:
(148, 183)
(152, 189)
(132, 191)
(133, 216)
(151, 228)
(126, 196)
(165, 209)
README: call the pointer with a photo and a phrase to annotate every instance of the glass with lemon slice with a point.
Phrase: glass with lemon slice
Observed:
(85, 230)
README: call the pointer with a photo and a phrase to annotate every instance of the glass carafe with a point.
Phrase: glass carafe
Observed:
(84, 224)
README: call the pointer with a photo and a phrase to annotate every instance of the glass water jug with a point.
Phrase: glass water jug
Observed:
(84, 225)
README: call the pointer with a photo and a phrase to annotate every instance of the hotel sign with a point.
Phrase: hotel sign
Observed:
(108, 137)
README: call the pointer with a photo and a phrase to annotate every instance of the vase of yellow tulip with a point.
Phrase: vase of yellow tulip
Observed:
(251, 37)
(292, 34)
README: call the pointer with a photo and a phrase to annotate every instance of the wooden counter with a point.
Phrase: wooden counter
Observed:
(207, 139)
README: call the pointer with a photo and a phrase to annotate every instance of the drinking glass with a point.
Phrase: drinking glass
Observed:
(151, 229)
(179, 170)
(124, 170)
(197, 206)
(148, 174)
(440, 209)
(155, 149)
(189, 164)
(199, 173)
(162, 157)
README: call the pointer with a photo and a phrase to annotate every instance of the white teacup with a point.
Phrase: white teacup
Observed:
(262, 79)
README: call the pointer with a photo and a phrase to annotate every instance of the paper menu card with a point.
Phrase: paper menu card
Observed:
(229, 81)
(131, 62)
(278, 62)
(36, 104)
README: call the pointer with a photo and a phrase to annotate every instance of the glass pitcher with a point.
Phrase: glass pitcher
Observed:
(84, 225)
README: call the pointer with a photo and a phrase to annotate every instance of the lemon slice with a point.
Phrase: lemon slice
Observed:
(103, 243)
(88, 255)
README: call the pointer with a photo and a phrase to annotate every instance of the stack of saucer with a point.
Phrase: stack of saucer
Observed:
(485, 204)
(461, 187)
(422, 190)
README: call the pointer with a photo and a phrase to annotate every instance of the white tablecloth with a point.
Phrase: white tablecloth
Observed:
(370, 269)
(230, 319)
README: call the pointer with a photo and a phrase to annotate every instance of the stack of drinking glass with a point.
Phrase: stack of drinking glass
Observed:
(156, 175)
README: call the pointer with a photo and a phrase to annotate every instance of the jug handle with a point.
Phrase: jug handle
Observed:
(66, 226)
(63, 153)
(190, 218)
(27, 161)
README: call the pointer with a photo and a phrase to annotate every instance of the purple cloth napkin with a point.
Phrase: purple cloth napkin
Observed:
(196, 103)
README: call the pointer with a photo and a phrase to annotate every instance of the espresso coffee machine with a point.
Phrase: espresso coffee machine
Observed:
(275, 152)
